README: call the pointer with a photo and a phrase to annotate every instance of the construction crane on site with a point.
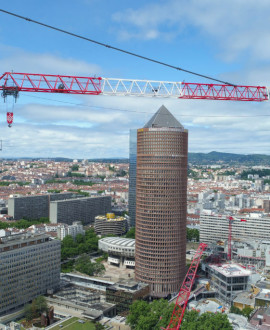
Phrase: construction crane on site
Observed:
(231, 220)
(12, 83)
(184, 293)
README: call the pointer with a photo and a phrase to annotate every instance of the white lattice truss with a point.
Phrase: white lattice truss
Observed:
(112, 86)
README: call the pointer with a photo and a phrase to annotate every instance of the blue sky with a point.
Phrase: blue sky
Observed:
(228, 40)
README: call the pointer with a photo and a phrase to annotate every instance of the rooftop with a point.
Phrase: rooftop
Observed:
(163, 118)
(123, 242)
(230, 270)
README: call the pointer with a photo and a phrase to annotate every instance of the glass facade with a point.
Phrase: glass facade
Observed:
(132, 176)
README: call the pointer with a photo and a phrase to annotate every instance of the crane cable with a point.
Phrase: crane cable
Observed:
(115, 48)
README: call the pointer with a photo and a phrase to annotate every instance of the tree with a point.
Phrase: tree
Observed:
(99, 268)
(193, 234)
(235, 310)
(156, 315)
(138, 309)
(246, 311)
(131, 233)
(38, 306)
(80, 238)
(193, 321)
(28, 312)
(84, 265)
(75, 167)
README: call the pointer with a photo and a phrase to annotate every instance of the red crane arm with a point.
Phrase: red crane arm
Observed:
(183, 295)
(46, 83)
(33, 82)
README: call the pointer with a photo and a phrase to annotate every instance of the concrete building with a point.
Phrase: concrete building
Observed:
(29, 266)
(214, 228)
(120, 250)
(125, 292)
(254, 253)
(79, 209)
(161, 203)
(132, 176)
(227, 279)
(110, 224)
(34, 207)
(73, 230)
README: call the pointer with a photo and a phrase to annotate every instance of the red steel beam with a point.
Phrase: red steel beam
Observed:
(224, 92)
(47, 83)
(183, 296)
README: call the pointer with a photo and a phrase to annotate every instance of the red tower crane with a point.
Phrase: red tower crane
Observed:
(231, 219)
(11, 83)
(184, 293)
(230, 239)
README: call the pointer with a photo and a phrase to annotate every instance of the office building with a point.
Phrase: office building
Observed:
(110, 224)
(132, 177)
(214, 228)
(79, 209)
(29, 266)
(161, 202)
(34, 207)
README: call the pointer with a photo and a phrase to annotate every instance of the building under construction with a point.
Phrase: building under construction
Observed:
(227, 279)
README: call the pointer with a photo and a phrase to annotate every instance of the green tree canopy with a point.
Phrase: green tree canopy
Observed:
(131, 233)
(157, 315)
(38, 306)
(84, 265)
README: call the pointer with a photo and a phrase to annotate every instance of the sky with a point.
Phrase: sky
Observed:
(228, 40)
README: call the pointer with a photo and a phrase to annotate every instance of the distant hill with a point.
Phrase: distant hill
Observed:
(194, 158)
(63, 159)
(215, 157)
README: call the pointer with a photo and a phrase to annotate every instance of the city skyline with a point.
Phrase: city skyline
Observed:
(91, 127)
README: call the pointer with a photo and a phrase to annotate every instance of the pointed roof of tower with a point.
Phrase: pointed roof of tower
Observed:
(163, 118)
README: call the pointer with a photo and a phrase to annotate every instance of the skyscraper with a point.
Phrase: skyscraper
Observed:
(161, 198)
(132, 177)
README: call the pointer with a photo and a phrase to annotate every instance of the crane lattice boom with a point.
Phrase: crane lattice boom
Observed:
(46, 83)
(183, 295)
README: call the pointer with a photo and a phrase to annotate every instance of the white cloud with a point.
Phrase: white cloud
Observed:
(19, 60)
(237, 26)
(100, 128)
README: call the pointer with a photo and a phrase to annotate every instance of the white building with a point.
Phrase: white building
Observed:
(214, 228)
(76, 228)
(119, 250)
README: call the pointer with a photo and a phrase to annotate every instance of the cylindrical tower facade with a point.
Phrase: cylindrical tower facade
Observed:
(161, 199)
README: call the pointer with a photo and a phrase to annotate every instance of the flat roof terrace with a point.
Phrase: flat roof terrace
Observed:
(230, 270)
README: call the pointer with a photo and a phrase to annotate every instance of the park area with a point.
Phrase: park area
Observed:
(74, 324)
